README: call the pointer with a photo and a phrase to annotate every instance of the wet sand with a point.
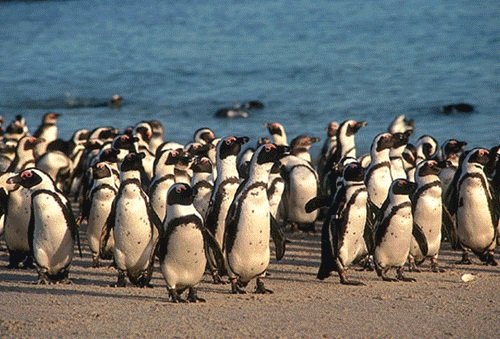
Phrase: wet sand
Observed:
(437, 305)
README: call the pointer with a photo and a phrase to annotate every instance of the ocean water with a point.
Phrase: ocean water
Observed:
(309, 62)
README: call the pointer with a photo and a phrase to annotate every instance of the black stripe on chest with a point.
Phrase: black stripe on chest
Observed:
(382, 229)
(217, 196)
(158, 181)
(375, 167)
(171, 228)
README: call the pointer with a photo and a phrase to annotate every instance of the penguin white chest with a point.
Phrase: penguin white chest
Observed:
(395, 245)
(52, 241)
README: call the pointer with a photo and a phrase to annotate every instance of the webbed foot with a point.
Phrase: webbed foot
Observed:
(120, 281)
(236, 288)
(193, 296)
(175, 297)
(401, 277)
(465, 259)
(261, 289)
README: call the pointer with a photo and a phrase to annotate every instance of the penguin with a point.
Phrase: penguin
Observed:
(378, 176)
(249, 225)
(393, 232)
(428, 214)
(204, 135)
(182, 170)
(346, 235)
(472, 202)
(328, 148)
(144, 133)
(25, 156)
(275, 189)
(5, 190)
(301, 145)
(202, 184)
(97, 209)
(396, 155)
(231, 113)
(57, 165)
(163, 179)
(53, 231)
(133, 222)
(156, 130)
(182, 249)
(450, 153)
(48, 129)
(16, 130)
(410, 161)
(225, 187)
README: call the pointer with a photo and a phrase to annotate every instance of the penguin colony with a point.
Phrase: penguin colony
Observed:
(213, 206)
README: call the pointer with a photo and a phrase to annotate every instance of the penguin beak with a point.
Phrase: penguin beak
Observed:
(242, 140)
(14, 180)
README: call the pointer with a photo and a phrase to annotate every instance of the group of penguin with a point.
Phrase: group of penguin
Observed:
(215, 204)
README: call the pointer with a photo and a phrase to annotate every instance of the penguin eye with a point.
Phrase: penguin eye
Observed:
(174, 153)
(179, 189)
(26, 174)
(228, 141)
(124, 138)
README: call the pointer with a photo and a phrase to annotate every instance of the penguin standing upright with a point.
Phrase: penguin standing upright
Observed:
(427, 214)
(48, 129)
(401, 124)
(250, 223)
(164, 177)
(473, 204)
(393, 232)
(396, 155)
(329, 147)
(224, 189)
(410, 161)
(182, 249)
(301, 145)
(278, 133)
(97, 210)
(347, 231)
(427, 148)
(378, 177)
(133, 222)
(53, 230)
(275, 189)
(202, 184)
(450, 153)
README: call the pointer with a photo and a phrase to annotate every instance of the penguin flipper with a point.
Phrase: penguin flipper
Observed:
(449, 227)
(316, 202)
(328, 258)
(368, 236)
(74, 228)
(278, 238)
(155, 219)
(211, 245)
(106, 230)
(419, 236)
(31, 231)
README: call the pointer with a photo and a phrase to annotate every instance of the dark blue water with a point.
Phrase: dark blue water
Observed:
(309, 62)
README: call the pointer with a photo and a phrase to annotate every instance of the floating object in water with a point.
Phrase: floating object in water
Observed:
(457, 108)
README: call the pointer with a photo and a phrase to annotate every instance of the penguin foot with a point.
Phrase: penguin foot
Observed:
(435, 268)
(236, 288)
(121, 280)
(28, 263)
(413, 268)
(352, 282)
(386, 278)
(217, 279)
(193, 297)
(144, 282)
(43, 279)
(65, 281)
(490, 260)
(401, 277)
(261, 289)
(465, 260)
(307, 228)
(175, 297)
(367, 264)
(95, 262)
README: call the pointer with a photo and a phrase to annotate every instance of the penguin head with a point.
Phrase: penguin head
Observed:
(428, 146)
(453, 146)
(197, 149)
(202, 165)
(50, 118)
(410, 154)
(109, 155)
(275, 128)
(382, 141)
(101, 170)
(105, 133)
(29, 143)
(230, 146)
(80, 136)
(331, 129)
(144, 131)
(29, 178)
(402, 187)
(351, 127)
(180, 194)
(479, 156)
(156, 127)
(171, 156)
(353, 172)
(400, 139)
(267, 153)
(204, 135)
(302, 143)
(133, 162)
(429, 167)
(124, 141)
(185, 160)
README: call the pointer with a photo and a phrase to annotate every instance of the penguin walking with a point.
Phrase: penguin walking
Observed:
(133, 222)
(393, 232)
(96, 211)
(428, 214)
(224, 191)
(53, 230)
(182, 249)
(378, 176)
(202, 184)
(347, 230)
(250, 223)
(473, 204)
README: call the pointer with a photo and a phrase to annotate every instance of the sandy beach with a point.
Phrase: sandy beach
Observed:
(437, 305)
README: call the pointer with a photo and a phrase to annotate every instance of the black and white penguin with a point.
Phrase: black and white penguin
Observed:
(410, 161)
(182, 249)
(57, 165)
(53, 231)
(25, 155)
(347, 231)
(225, 188)
(144, 133)
(472, 201)
(396, 155)
(48, 129)
(275, 189)
(250, 224)
(301, 145)
(97, 208)
(428, 214)
(451, 150)
(163, 179)
(204, 135)
(394, 230)
(5, 190)
(16, 129)
(378, 177)
(328, 148)
(278, 133)
(133, 222)
(202, 184)
(156, 133)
